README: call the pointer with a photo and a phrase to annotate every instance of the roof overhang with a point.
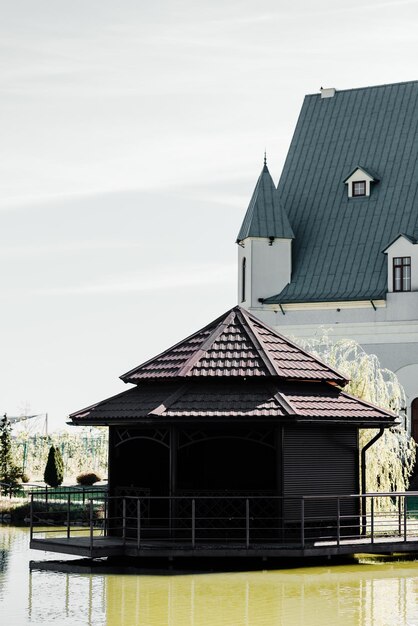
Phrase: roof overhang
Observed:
(367, 174)
(407, 238)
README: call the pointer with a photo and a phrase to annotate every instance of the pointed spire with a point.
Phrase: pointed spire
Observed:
(265, 215)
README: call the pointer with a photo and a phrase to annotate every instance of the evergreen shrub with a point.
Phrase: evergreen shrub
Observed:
(88, 478)
(54, 469)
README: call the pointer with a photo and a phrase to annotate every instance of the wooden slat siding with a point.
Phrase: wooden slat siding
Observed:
(320, 460)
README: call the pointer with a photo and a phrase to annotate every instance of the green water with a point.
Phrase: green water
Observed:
(365, 594)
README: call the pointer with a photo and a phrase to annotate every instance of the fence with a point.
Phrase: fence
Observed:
(51, 494)
(239, 522)
(81, 451)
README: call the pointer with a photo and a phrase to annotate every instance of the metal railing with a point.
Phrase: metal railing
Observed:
(233, 521)
(24, 490)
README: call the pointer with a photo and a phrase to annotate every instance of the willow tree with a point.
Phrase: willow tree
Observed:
(390, 461)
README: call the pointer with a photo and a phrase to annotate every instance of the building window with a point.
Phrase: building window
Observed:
(359, 188)
(244, 268)
(402, 273)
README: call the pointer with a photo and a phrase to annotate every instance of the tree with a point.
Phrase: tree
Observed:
(391, 460)
(54, 469)
(9, 472)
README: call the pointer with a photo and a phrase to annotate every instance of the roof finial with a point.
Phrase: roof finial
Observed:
(265, 157)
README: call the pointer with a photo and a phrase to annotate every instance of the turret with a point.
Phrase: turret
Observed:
(264, 245)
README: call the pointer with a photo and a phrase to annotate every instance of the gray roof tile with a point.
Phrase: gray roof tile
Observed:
(376, 127)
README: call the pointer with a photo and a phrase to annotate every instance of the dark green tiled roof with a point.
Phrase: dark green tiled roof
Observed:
(337, 250)
(265, 216)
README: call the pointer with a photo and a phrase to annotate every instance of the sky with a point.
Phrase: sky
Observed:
(132, 135)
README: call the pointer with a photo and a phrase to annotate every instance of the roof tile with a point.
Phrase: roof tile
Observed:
(234, 345)
(265, 216)
(196, 399)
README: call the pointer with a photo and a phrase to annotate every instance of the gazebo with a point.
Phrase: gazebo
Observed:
(235, 431)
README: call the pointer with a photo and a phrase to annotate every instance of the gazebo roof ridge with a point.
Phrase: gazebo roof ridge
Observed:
(235, 345)
(342, 376)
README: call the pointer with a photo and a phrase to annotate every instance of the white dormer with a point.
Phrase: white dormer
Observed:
(359, 182)
(402, 255)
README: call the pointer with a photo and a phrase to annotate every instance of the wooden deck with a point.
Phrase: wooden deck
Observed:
(112, 546)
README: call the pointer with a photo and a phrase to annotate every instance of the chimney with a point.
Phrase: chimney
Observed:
(327, 93)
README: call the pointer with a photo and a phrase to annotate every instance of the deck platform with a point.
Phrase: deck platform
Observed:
(113, 546)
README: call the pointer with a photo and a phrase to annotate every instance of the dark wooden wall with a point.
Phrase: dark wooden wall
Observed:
(320, 459)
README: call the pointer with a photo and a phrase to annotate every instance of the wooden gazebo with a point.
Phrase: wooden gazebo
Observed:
(234, 426)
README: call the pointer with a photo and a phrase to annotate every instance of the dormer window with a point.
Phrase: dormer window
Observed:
(402, 273)
(359, 188)
(402, 254)
(359, 183)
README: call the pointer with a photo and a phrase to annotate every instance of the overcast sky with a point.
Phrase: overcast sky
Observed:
(132, 135)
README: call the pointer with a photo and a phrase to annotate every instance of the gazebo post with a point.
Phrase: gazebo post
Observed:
(173, 475)
(279, 478)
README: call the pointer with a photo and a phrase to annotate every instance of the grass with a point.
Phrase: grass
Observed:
(16, 511)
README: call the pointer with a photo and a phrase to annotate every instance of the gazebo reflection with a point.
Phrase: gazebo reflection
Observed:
(378, 593)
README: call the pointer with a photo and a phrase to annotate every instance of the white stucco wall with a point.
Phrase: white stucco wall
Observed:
(268, 268)
(408, 377)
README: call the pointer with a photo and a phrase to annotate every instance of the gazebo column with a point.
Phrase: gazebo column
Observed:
(173, 460)
(279, 436)
(279, 460)
(173, 473)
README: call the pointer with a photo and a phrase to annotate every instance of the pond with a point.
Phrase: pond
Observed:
(367, 593)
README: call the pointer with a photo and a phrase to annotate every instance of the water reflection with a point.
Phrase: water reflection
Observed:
(354, 595)
(351, 595)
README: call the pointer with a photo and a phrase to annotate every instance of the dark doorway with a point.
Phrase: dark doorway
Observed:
(140, 469)
(232, 478)
(141, 464)
(231, 464)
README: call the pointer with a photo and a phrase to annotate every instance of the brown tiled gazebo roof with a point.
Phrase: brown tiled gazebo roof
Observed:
(236, 368)
(236, 345)
(237, 400)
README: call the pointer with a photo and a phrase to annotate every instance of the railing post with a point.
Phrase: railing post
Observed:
(138, 530)
(405, 526)
(372, 519)
(31, 516)
(91, 525)
(302, 521)
(46, 498)
(247, 523)
(124, 519)
(399, 516)
(68, 515)
(105, 514)
(338, 522)
(193, 523)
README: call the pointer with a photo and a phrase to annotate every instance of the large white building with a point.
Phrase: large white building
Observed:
(336, 244)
